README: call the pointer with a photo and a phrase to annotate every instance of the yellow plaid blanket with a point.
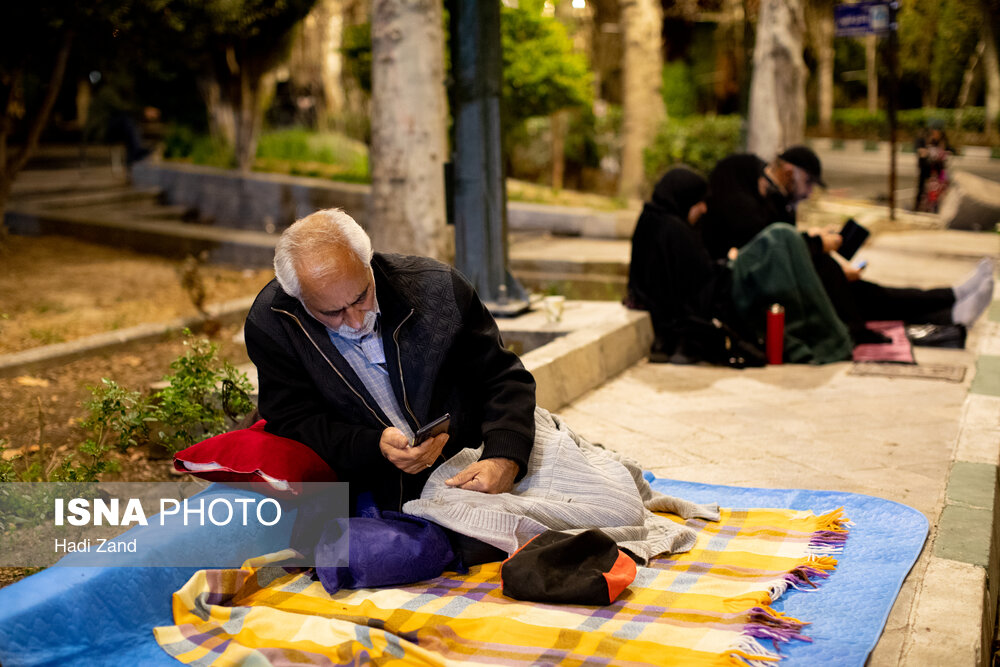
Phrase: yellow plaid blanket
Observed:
(708, 606)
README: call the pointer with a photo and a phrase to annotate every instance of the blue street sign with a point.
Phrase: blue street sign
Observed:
(862, 18)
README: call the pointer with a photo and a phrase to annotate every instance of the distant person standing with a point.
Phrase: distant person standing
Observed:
(932, 150)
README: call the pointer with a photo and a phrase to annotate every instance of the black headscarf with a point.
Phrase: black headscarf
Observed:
(678, 190)
(671, 274)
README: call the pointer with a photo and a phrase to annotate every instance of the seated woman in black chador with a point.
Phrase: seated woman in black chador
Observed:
(702, 308)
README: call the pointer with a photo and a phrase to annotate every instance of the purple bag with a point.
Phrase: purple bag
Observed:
(385, 550)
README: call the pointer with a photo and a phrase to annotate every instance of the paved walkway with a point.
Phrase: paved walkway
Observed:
(824, 428)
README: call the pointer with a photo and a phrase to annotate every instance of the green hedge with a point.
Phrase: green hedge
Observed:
(697, 141)
(861, 124)
(295, 151)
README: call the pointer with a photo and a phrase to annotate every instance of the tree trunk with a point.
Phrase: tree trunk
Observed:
(409, 141)
(221, 114)
(316, 63)
(825, 56)
(871, 67)
(245, 147)
(642, 103)
(730, 61)
(967, 78)
(11, 165)
(558, 122)
(991, 71)
(777, 117)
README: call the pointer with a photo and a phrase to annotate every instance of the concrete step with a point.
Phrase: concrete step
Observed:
(119, 196)
(168, 238)
(569, 266)
(584, 287)
(58, 182)
(164, 212)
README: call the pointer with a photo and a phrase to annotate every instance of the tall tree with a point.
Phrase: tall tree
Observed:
(819, 14)
(36, 40)
(409, 131)
(871, 71)
(991, 65)
(236, 44)
(642, 104)
(777, 114)
(316, 61)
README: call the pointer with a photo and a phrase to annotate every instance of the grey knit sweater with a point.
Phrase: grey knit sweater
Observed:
(570, 485)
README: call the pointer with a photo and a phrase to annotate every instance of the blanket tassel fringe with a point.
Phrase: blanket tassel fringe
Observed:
(766, 623)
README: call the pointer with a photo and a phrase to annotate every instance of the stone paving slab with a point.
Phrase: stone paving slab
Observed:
(929, 444)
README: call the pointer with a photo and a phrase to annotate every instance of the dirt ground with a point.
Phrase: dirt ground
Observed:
(55, 289)
(69, 289)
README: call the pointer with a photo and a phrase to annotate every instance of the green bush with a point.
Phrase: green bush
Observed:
(178, 141)
(680, 95)
(279, 151)
(860, 124)
(356, 47)
(212, 152)
(204, 397)
(542, 73)
(300, 145)
(973, 119)
(698, 141)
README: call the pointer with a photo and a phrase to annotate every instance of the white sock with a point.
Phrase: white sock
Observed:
(982, 272)
(966, 311)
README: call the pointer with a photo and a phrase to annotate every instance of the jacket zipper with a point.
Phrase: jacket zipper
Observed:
(399, 359)
(402, 383)
(327, 359)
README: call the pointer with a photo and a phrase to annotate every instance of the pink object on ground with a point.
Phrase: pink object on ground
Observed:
(898, 351)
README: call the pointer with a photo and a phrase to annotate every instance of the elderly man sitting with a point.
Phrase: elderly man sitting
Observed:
(355, 350)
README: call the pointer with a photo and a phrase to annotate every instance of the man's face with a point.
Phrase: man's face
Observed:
(800, 183)
(696, 211)
(340, 299)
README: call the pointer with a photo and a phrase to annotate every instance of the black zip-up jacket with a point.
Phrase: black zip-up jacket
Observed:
(443, 353)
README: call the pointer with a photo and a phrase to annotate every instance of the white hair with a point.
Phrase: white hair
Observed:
(323, 229)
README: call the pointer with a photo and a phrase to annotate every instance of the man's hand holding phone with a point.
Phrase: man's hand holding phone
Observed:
(417, 456)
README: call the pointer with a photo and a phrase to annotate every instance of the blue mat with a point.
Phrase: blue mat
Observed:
(849, 610)
(90, 616)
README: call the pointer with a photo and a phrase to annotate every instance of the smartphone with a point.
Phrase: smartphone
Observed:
(853, 236)
(428, 431)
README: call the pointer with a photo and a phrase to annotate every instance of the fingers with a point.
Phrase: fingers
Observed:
(393, 437)
(487, 476)
(411, 460)
(462, 478)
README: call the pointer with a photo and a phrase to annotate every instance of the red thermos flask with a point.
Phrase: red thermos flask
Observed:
(775, 333)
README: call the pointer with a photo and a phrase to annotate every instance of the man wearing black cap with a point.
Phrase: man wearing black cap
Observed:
(747, 194)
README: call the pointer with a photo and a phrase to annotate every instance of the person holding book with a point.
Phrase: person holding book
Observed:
(704, 309)
(747, 194)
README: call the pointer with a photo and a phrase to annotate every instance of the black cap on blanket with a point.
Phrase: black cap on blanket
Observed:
(582, 568)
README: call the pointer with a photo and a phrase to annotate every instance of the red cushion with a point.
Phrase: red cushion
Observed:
(254, 455)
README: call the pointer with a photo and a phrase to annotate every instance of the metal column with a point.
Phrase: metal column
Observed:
(478, 191)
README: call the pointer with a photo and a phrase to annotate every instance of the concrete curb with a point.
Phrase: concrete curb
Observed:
(965, 557)
(37, 358)
(572, 365)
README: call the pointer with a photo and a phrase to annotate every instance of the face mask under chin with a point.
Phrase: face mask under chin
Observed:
(367, 327)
